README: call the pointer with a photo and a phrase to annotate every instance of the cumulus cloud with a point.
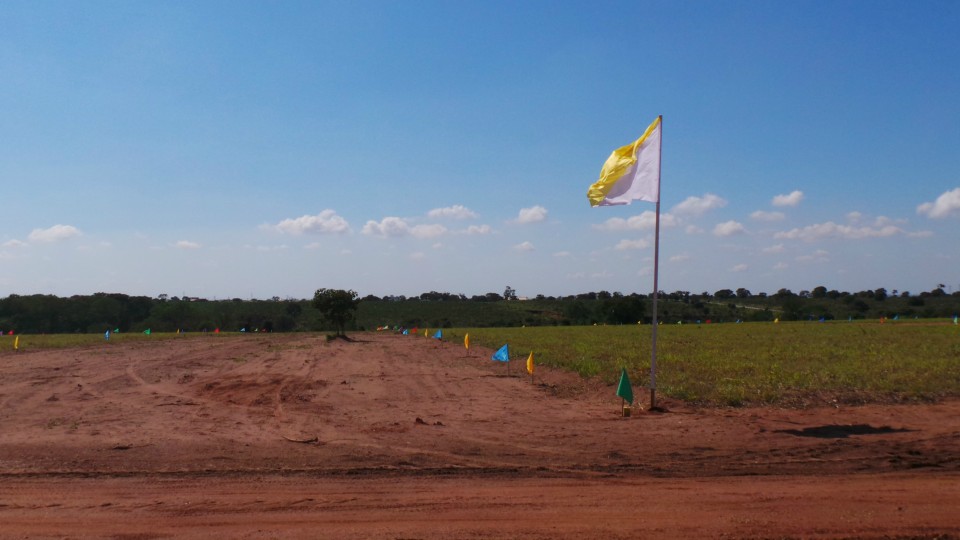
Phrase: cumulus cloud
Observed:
(791, 199)
(774, 249)
(739, 268)
(186, 244)
(325, 222)
(632, 244)
(761, 215)
(396, 227)
(478, 229)
(646, 221)
(532, 214)
(946, 204)
(14, 244)
(427, 231)
(695, 206)
(680, 258)
(53, 234)
(830, 229)
(457, 211)
(524, 246)
(728, 228)
(693, 229)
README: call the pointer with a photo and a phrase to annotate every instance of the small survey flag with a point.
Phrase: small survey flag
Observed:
(502, 355)
(624, 390)
(631, 173)
(147, 331)
(438, 335)
(16, 343)
(106, 336)
(466, 341)
(530, 363)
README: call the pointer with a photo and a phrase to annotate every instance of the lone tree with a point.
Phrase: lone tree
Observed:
(337, 307)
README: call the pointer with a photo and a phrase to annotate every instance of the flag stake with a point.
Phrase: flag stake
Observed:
(656, 268)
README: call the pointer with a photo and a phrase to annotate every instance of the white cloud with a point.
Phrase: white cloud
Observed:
(781, 266)
(792, 199)
(632, 244)
(427, 231)
(325, 222)
(680, 258)
(761, 215)
(830, 229)
(478, 229)
(532, 214)
(646, 221)
(854, 217)
(437, 245)
(524, 246)
(397, 227)
(53, 234)
(562, 254)
(739, 268)
(696, 206)
(693, 229)
(946, 204)
(774, 249)
(457, 211)
(728, 228)
(14, 244)
(388, 226)
(186, 244)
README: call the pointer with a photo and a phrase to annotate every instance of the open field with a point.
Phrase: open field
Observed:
(406, 437)
(788, 364)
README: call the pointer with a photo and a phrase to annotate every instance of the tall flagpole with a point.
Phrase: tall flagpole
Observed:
(656, 272)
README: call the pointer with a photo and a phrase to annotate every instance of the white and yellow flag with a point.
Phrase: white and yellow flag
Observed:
(631, 173)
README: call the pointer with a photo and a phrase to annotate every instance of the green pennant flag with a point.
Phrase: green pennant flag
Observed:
(623, 389)
(147, 331)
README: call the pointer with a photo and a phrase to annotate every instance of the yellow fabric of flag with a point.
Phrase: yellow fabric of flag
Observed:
(530, 363)
(16, 343)
(631, 173)
(466, 341)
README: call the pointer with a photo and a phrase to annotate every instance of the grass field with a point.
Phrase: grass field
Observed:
(30, 342)
(789, 364)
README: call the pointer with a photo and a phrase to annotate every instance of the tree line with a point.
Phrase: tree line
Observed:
(114, 311)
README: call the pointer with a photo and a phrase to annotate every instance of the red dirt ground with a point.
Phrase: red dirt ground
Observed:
(406, 437)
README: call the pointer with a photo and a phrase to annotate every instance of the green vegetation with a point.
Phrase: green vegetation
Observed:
(30, 342)
(46, 314)
(337, 306)
(789, 364)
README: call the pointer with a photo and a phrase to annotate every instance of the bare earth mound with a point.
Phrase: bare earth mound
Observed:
(407, 437)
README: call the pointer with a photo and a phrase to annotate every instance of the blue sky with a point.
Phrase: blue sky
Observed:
(259, 149)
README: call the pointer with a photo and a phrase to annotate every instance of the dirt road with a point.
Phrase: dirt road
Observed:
(407, 437)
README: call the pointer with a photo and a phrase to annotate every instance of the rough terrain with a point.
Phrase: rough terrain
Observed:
(394, 436)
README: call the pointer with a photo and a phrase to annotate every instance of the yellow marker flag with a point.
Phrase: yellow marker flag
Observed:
(466, 341)
(631, 173)
(530, 363)
(425, 332)
(16, 343)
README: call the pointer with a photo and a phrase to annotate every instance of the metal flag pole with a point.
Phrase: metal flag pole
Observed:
(656, 271)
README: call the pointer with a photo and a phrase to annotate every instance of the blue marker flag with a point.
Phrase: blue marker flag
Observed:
(106, 335)
(438, 335)
(502, 355)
